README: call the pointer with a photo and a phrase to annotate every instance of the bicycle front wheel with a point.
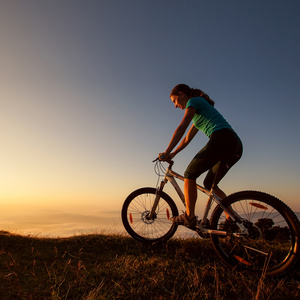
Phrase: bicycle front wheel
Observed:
(136, 210)
(272, 245)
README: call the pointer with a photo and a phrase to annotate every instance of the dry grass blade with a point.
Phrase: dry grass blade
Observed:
(117, 267)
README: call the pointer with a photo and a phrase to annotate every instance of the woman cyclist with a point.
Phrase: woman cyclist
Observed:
(223, 145)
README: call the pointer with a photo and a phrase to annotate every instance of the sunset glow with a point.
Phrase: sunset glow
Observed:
(85, 108)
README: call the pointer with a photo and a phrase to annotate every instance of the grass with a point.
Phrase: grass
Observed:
(100, 266)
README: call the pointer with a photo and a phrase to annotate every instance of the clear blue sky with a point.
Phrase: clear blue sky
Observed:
(84, 94)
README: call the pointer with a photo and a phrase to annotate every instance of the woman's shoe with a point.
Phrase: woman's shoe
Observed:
(185, 220)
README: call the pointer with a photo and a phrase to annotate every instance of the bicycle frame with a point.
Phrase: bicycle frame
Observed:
(170, 176)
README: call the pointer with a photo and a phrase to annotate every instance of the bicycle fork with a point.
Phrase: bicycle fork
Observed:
(168, 177)
(152, 213)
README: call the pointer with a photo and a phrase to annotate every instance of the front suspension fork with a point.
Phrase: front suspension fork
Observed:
(156, 200)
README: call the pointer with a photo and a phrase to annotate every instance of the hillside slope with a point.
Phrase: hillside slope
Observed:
(118, 267)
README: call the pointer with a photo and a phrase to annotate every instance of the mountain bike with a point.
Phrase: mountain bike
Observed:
(249, 230)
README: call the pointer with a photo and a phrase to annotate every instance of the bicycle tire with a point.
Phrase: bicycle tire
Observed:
(272, 247)
(135, 209)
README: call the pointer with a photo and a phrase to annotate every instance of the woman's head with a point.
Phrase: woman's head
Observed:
(183, 90)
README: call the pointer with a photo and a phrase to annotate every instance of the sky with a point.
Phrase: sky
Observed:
(85, 107)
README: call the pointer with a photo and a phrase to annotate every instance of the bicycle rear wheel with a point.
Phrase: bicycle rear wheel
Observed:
(272, 245)
(136, 210)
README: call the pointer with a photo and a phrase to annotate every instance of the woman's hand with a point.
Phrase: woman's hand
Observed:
(165, 156)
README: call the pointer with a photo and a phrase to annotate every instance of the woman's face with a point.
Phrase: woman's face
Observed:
(180, 101)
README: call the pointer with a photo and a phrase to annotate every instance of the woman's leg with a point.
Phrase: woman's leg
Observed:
(225, 146)
(219, 192)
(222, 195)
(190, 194)
(202, 162)
(217, 149)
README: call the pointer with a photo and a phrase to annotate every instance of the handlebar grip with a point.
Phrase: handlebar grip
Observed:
(170, 161)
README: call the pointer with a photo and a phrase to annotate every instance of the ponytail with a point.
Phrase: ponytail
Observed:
(191, 93)
(199, 93)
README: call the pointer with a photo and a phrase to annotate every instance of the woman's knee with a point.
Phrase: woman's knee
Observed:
(190, 175)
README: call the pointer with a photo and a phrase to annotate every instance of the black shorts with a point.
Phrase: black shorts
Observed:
(224, 146)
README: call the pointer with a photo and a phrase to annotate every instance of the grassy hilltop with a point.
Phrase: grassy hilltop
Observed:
(118, 267)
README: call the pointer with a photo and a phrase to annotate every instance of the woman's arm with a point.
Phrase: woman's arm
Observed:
(190, 135)
(179, 132)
